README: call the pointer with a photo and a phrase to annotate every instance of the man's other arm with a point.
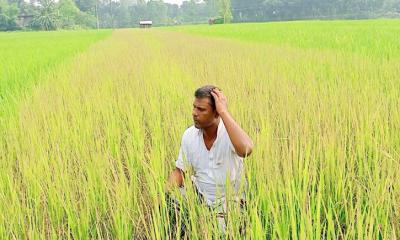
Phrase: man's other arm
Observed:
(175, 179)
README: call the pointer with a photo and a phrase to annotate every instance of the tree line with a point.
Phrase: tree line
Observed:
(278, 10)
(78, 14)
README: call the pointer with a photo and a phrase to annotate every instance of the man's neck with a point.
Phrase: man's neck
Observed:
(211, 132)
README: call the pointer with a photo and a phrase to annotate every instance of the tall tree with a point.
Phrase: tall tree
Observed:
(68, 13)
(8, 16)
(86, 5)
(188, 11)
(122, 16)
(157, 12)
(47, 17)
(172, 14)
(225, 10)
(212, 8)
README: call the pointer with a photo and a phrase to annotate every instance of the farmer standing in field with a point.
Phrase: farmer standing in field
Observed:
(214, 147)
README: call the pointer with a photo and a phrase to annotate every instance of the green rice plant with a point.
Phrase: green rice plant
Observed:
(26, 57)
(371, 38)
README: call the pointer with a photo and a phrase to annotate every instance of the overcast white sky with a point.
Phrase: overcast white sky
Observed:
(174, 1)
(180, 1)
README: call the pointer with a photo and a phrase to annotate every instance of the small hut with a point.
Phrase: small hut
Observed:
(24, 20)
(145, 24)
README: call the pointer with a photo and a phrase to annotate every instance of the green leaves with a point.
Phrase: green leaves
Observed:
(47, 17)
(8, 16)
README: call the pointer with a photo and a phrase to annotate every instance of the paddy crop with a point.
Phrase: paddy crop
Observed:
(26, 57)
(370, 38)
(87, 154)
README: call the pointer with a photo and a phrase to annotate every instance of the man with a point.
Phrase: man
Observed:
(214, 147)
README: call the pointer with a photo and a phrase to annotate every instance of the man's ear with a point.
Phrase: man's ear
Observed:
(216, 115)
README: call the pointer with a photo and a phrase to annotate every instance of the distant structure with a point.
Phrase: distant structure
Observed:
(24, 20)
(213, 21)
(145, 24)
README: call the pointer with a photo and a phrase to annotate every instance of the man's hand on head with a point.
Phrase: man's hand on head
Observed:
(240, 140)
(221, 104)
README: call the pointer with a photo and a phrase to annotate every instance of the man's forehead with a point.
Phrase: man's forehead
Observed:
(202, 101)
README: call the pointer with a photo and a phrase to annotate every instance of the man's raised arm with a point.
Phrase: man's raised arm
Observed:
(241, 141)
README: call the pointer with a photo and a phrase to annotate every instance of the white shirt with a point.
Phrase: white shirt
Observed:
(213, 167)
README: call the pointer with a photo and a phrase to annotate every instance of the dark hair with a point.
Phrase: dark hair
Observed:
(205, 92)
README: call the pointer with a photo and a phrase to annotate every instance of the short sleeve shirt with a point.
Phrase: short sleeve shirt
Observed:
(212, 168)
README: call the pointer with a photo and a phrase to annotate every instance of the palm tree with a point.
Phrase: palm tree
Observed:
(47, 16)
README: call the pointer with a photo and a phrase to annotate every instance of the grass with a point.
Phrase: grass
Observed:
(370, 38)
(26, 57)
(88, 153)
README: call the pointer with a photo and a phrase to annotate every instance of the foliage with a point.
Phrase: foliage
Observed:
(191, 12)
(8, 16)
(213, 8)
(157, 12)
(47, 16)
(225, 11)
(267, 10)
(72, 14)
(68, 13)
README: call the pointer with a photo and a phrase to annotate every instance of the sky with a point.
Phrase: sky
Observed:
(179, 1)
(174, 1)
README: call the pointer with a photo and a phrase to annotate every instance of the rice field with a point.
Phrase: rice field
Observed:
(371, 38)
(88, 146)
(26, 57)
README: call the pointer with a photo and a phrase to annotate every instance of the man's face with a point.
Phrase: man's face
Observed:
(203, 114)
